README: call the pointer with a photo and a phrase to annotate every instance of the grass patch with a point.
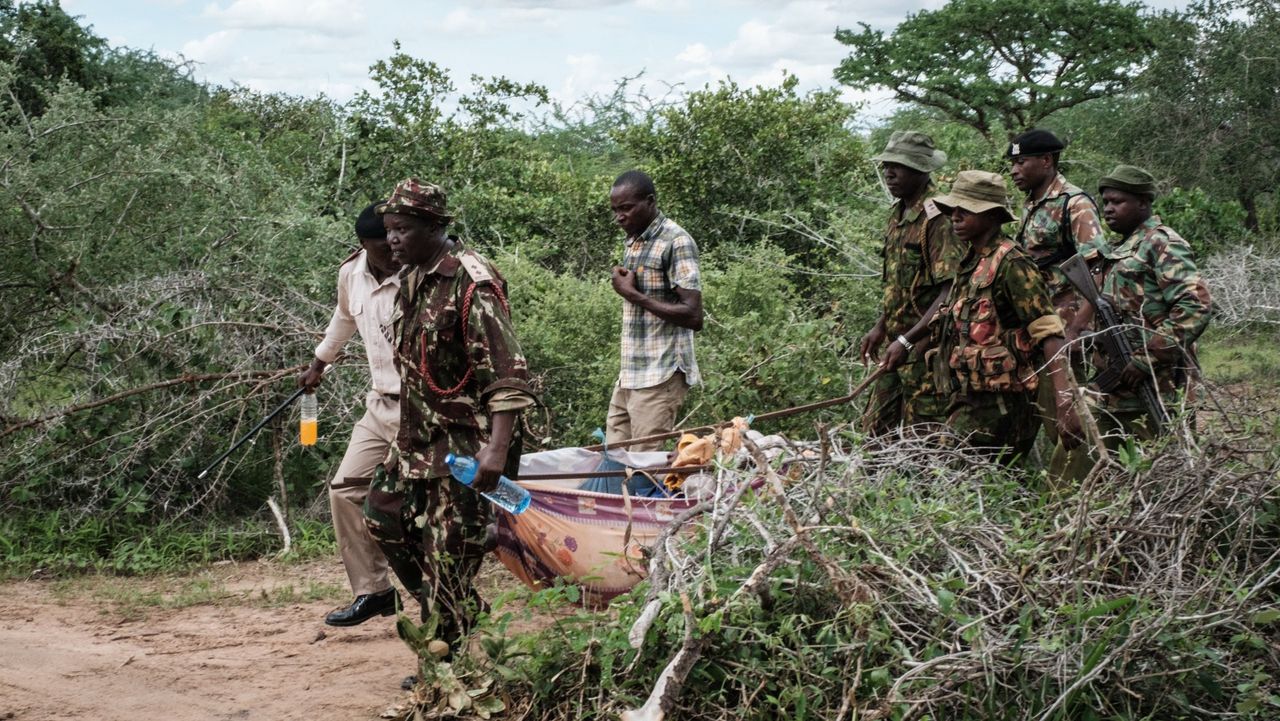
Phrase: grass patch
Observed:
(1235, 356)
(287, 595)
(59, 543)
(130, 601)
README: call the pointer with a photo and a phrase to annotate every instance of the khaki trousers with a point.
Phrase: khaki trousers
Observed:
(645, 411)
(373, 435)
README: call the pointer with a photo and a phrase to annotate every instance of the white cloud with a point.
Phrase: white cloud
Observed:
(461, 21)
(212, 48)
(798, 39)
(588, 75)
(667, 6)
(550, 4)
(466, 22)
(331, 17)
(695, 54)
(755, 42)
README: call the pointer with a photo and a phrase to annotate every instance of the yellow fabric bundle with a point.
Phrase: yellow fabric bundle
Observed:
(694, 451)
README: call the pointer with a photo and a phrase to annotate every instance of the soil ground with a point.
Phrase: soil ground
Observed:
(236, 641)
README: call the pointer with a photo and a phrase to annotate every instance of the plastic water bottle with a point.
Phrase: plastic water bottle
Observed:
(509, 495)
(307, 425)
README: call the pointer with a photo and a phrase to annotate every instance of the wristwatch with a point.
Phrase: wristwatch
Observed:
(906, 344)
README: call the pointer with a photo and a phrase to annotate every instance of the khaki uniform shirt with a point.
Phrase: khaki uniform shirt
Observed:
(364, 305)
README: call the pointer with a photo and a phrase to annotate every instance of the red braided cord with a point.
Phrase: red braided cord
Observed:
(466, 321)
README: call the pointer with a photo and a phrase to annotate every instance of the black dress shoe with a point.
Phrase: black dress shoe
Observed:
(365, 607)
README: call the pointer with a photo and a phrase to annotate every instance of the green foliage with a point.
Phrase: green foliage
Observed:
(59, 542)
(1001, 65)
(1206, 112)
(47, 46)
(1208, 223)
(733, 165)
(771, 342)
(569, 329)
(977, 602)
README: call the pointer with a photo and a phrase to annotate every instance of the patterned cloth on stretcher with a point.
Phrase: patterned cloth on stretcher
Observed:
(595, 540)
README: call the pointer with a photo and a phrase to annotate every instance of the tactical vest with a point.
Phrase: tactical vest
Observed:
(985, 356)
(1067, 245)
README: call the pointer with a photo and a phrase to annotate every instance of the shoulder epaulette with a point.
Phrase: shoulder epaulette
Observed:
(931, 210)
(475, 267)
(354, 254)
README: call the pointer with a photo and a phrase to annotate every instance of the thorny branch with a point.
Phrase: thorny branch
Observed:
(1136, 558)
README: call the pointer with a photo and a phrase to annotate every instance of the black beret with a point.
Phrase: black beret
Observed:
(1034, 142)
(369, 224)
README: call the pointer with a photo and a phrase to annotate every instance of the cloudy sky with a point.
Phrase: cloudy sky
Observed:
(573, 47)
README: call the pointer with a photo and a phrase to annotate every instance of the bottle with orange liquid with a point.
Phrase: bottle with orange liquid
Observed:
(307, 426)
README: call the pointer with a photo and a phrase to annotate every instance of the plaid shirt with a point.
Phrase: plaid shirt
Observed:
(664, 258)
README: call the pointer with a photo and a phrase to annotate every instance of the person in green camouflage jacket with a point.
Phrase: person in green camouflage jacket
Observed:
(920, 260)
(995, 326)
(1059, 220)
(464, 382)
(1151, 279)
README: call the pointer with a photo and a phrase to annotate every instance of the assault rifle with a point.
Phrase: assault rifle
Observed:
(1111, 339)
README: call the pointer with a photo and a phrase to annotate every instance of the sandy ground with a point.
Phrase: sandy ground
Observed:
(233, 642)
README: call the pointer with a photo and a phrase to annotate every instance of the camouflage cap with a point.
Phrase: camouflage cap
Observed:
(912, 149)
(1034, 142)
(414, 197)
(977, 191)
(1130, 179)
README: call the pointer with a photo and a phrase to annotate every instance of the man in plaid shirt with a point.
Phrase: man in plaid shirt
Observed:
(661, 289)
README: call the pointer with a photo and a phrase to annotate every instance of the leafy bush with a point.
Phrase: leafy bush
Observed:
(905, 583)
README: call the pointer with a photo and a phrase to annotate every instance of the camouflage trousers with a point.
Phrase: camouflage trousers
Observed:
(1068, 468)
(1062, 461)
(1002, 424)
(905, 396)
(435, 534)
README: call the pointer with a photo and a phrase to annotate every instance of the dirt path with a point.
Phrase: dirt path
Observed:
(236, 641)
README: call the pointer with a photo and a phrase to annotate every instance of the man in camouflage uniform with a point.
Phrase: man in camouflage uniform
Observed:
(996, 325)
(1059, 220)
(463, 385)
(1151, 280)
(920, 260)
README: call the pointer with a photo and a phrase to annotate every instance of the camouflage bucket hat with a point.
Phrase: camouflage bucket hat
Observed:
(414, 197)
(1130, 179)
(914, 150)
(977, 191)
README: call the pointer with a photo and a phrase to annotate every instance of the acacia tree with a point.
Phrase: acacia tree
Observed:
(1002, 64)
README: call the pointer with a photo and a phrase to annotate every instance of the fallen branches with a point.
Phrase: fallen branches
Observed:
(909, 581)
